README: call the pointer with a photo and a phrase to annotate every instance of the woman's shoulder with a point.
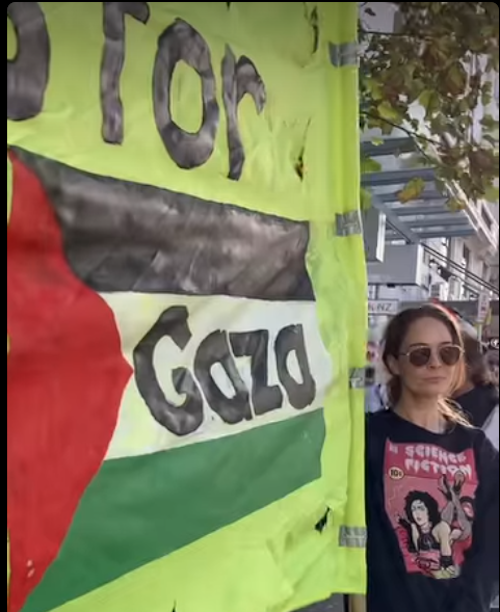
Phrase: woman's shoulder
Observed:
(379, 425)
(386, 423)
(484, 449)
(378, 420)
(379, 417)
(474, 435)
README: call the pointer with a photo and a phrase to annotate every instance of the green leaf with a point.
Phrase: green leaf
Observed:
(457, 79)
(492, 194)
(464, 106)
(375, 89)
(369, 165)
(377, 142)
(455, 205)
(493, 63)
(412, 190)
(489, 122)
(426, 97)
(486, 99)
(487, 94)
(388, 112)
(365, 199)
(491, 140)
(430, 100)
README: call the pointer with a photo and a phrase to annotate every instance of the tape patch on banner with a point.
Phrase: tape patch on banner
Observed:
(349, 224)
(352, 537)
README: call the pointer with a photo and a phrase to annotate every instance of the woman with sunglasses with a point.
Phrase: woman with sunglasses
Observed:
(432, 479)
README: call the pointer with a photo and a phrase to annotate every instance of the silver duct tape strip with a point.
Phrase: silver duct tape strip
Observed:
(352, 537)
(346, 54)
(357, 378)
(349, 224)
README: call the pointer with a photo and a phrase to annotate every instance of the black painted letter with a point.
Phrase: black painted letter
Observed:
(291, 340)
(113, 59)
(180, 420)
(256, 346)
(28, 72)
(239, 78)
(181, 42)
(214, 350)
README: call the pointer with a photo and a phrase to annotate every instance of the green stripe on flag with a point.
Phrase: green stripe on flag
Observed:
(140, 509)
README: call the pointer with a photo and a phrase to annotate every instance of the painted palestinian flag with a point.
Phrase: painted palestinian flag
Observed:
(165, 377)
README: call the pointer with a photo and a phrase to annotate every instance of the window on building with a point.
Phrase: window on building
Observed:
(486, 276)
(455, 289)
(446, 244)
(466, 257)
(485, 214)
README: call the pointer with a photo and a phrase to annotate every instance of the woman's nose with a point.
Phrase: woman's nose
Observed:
(435, 361)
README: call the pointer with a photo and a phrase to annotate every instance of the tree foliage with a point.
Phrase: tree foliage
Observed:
(441, 59)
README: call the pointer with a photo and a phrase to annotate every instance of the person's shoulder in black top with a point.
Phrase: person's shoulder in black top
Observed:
(479, 403)
(478, 397)
(432, 482)
(433, 512)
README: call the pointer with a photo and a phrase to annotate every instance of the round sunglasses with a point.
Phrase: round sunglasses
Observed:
(448, 355)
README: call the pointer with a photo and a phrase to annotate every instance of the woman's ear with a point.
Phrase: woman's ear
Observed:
(393, 366)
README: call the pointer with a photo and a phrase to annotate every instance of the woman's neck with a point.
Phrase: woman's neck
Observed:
(423, 412)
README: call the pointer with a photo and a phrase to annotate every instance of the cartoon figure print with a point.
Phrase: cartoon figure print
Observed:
(430, 502)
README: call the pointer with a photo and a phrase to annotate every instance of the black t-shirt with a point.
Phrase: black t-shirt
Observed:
(479, 403)
(433, 516)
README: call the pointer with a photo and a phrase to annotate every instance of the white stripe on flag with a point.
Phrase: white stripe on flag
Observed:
(138, 433)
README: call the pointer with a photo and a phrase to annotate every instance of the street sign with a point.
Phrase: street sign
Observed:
(383, 308)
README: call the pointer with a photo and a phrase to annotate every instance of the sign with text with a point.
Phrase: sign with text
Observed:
(177, 372)
(379, 308)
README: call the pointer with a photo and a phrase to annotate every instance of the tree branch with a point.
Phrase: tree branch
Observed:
(394, 34)
(408, 131)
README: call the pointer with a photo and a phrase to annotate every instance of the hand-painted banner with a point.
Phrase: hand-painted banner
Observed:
(182, 318)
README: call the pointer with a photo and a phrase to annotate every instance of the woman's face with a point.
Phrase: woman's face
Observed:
(434, 378)
(420, 513)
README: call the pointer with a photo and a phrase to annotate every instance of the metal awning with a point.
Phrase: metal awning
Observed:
(426, 218)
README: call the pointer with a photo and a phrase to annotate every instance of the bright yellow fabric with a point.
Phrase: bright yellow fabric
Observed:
(272, 561)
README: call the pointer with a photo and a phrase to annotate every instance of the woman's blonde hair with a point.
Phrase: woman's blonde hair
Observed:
(395, 335)
(452, 412)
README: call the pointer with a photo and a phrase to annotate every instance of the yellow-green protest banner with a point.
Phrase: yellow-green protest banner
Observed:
(186, 302)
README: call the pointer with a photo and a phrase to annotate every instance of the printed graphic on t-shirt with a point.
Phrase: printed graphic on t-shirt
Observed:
(430, 499)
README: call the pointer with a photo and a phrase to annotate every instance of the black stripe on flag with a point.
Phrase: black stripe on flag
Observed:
(121, 236)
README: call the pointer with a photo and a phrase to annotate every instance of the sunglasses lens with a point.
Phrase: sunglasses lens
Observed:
(450, 355)
(420, 357)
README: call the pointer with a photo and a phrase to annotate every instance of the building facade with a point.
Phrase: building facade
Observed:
(422, 250)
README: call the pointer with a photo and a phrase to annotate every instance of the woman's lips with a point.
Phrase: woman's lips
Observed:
(435, 380)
